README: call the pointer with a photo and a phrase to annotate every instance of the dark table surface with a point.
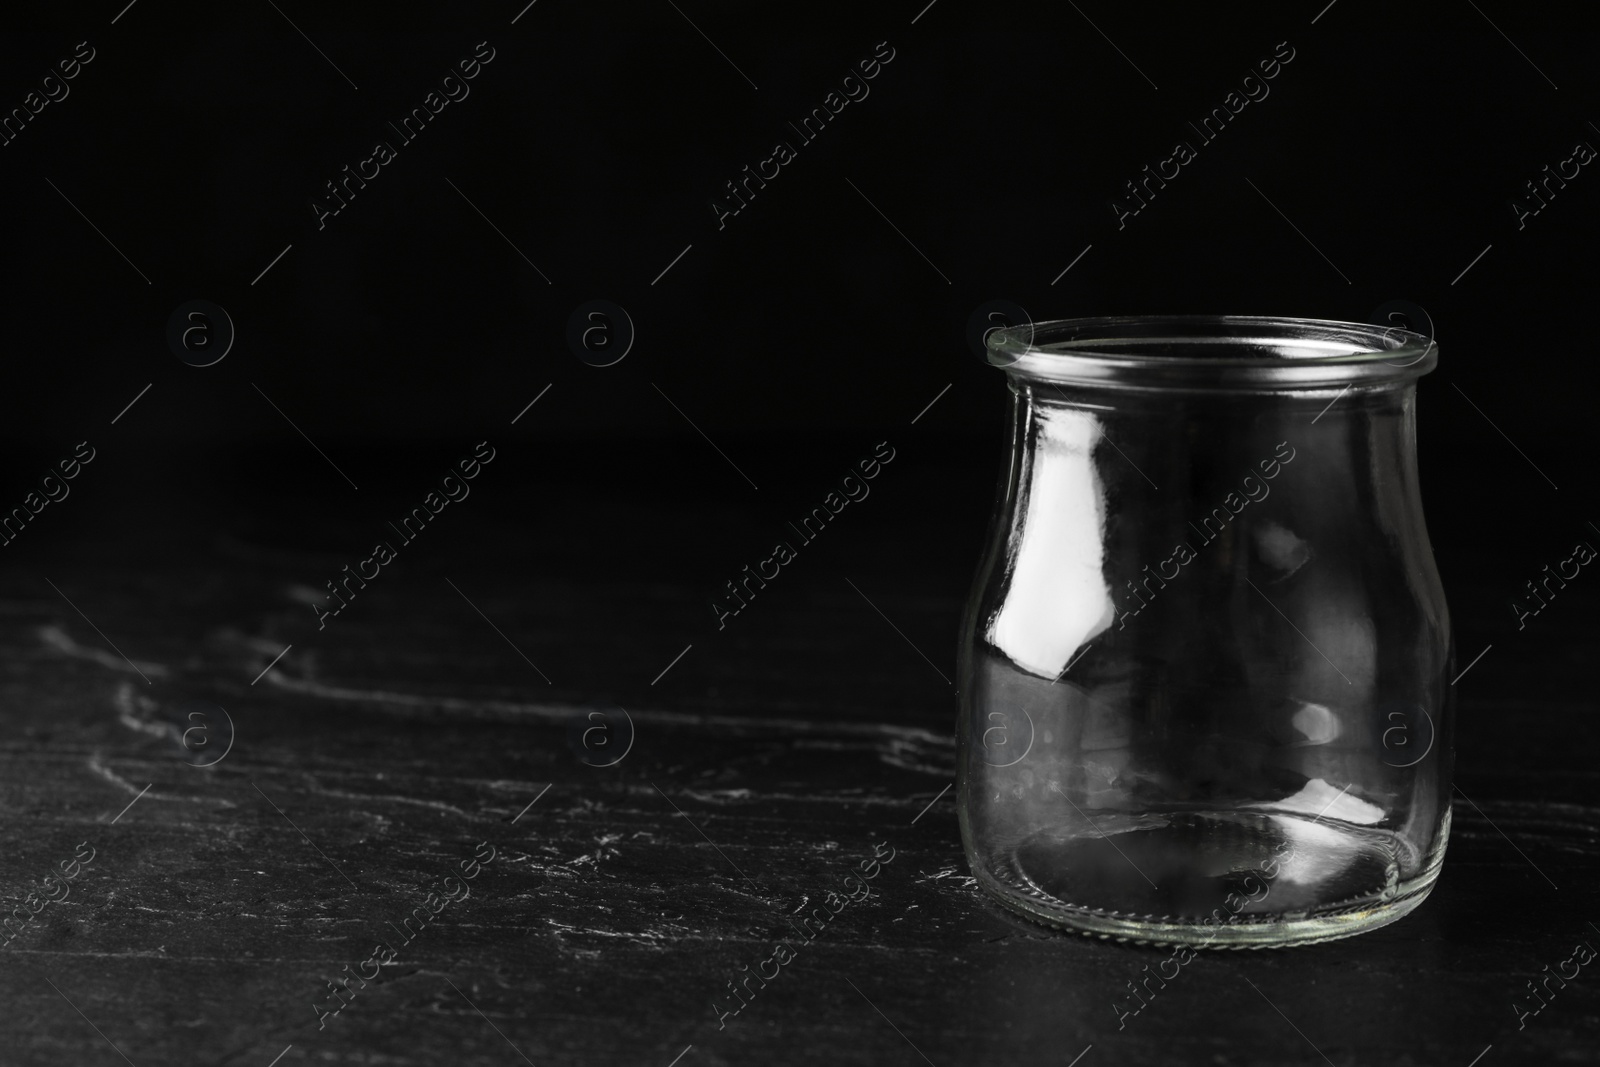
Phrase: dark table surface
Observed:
(767, 761)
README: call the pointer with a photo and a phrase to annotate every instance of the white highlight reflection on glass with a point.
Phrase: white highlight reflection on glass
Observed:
(1057, 599)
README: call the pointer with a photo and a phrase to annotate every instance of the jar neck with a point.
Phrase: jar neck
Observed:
(1211, 353)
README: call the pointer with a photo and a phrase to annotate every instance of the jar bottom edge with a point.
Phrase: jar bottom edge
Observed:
(1231, 879)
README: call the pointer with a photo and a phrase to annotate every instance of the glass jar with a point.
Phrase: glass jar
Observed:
(1205, 667)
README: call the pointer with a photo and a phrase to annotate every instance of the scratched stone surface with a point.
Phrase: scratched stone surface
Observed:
(772, 759)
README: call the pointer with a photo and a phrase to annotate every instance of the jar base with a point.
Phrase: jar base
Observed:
(1213, 879)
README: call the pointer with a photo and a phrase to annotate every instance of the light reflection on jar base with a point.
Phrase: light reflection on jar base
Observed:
(1212, 879)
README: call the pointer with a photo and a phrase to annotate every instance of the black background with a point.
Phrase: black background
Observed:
(796, 335)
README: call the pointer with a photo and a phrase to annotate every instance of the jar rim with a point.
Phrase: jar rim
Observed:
(1210, 351)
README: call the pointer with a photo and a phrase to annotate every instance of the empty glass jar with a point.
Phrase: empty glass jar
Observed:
(1205, 665)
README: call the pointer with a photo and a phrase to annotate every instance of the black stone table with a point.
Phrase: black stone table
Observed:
(427, 733)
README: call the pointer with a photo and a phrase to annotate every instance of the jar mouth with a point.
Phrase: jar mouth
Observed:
(1211, 351)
